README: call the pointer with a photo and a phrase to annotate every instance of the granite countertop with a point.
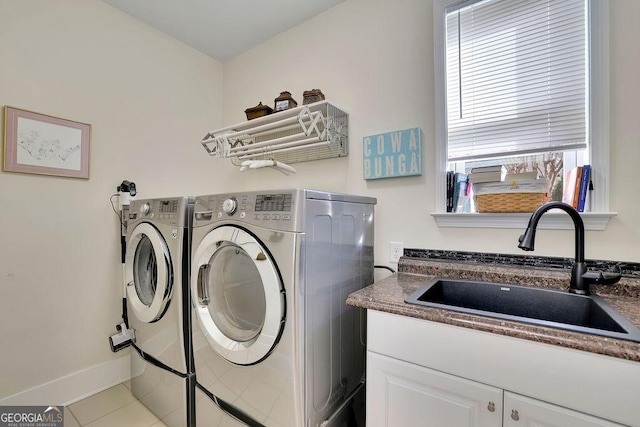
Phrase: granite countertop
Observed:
(388, 295)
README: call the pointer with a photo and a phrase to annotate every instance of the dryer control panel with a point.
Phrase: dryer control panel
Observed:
(281, 210)
(273, 202)
(273, 207)
(267, 209)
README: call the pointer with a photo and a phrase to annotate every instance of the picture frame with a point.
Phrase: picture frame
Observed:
(41, 144)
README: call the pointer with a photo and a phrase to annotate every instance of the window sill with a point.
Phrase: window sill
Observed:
(551, 220)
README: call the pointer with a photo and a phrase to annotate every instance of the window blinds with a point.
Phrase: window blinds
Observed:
(516, 77)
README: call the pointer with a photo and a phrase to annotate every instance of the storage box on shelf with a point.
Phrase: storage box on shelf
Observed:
(311, 96)
(258, 111)
(501, 197)
(308, 132)
(284, 101)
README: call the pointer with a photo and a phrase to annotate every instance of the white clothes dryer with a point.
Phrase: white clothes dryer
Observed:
(274, 342)
(157, 268)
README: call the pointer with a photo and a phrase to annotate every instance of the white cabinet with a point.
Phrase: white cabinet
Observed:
(522, 411)
(422, 373)
(404, 394)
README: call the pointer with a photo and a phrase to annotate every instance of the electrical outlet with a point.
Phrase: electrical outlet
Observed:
(396, 250)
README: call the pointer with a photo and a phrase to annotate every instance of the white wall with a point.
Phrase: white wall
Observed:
(374, 58)
(149, 100)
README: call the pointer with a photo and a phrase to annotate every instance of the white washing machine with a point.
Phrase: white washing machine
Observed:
(274, 342)
(157, 268)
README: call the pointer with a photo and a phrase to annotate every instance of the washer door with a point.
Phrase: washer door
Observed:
(148, 273)
(237, 295)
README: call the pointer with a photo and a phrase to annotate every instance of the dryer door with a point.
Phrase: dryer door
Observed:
(148, 273)
(238, 295)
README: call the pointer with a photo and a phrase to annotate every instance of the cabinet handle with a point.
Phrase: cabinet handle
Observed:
(514, 415)
(491, 407)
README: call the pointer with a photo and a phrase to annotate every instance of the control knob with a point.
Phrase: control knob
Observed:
(230, 206)
(145, 208)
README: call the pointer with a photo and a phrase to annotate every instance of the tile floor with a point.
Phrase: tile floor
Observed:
(115, 406)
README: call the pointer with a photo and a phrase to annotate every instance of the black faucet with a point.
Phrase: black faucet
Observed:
(580, 278)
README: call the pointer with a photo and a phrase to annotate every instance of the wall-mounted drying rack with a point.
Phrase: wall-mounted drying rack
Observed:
(309, 132)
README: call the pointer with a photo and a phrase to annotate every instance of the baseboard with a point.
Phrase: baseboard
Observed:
(75, 386)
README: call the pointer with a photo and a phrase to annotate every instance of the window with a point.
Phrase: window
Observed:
(516, 75)
(522, 78)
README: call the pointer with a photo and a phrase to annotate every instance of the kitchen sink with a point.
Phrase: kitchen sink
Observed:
(538, 306)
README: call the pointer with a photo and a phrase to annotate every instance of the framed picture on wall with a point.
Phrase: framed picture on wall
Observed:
(42, 144)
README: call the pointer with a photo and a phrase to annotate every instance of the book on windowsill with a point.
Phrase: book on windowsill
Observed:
(571, 186)
(585, 183)
(492, 168)
(576, 190)
(478, 177)
(465, 199)
(481, 174)
(460, 189)
(450, 184)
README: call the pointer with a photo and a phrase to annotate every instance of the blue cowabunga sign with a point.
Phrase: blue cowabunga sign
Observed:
(393, 154)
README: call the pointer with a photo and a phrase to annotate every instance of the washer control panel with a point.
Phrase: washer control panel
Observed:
(169, 211)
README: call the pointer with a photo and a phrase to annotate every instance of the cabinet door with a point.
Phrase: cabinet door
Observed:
(520, 411)
(403, 394)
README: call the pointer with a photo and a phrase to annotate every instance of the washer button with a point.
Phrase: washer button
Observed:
(275, 216)
(243, 214)
(286, 217)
